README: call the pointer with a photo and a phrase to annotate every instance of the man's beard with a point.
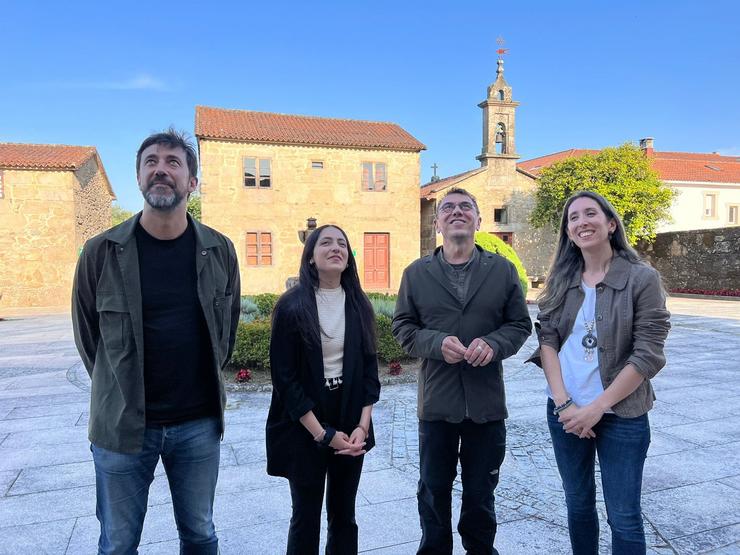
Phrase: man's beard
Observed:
(159, 201)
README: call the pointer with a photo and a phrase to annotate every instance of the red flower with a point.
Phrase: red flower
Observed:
(715, 292)
(243, 375)
(394, 368)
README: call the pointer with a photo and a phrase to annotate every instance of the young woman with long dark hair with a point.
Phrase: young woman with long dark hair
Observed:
(325, 382)
(602, 326)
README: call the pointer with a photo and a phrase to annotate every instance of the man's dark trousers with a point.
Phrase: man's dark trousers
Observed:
(481, 449)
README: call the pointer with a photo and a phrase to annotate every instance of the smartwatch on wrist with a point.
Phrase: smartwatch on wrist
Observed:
(329, 434)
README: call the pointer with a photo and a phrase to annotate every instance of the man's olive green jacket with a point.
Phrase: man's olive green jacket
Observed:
(108, 328)
(428, 310)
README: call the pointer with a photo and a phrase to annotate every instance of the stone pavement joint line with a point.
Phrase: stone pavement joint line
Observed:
(690, 488)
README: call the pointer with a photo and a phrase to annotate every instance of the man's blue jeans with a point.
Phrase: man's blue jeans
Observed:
(190, 454)
(622, 445)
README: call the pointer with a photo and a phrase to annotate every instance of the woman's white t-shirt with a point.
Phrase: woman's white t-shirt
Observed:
(581, 377)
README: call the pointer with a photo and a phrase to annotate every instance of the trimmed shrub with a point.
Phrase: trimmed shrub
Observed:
(491, 243)
(249, 310)
(383, 306)
(381, 296)
(265, 303)
(388, 347)
(252, 347)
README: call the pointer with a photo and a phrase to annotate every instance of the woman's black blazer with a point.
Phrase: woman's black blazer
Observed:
(297, 369)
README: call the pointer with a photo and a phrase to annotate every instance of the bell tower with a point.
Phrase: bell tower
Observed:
(499, 113)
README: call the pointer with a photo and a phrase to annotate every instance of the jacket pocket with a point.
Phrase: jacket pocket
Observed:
(115, 320)
(222, 318)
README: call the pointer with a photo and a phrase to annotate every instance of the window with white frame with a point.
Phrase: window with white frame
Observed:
(733, 214)
(710, 205)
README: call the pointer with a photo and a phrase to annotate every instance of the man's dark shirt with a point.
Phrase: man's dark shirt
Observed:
(460, 274)
(179, 378)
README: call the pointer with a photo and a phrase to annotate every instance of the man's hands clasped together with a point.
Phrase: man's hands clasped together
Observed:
(478, 353)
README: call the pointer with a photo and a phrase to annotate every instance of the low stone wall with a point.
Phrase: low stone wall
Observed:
(702, 259)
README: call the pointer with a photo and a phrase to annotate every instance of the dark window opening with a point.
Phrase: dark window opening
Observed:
(501, 215)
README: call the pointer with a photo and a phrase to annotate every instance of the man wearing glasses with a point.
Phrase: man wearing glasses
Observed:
(462, 310)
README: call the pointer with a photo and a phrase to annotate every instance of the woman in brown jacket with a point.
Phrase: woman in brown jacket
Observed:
(601, 328)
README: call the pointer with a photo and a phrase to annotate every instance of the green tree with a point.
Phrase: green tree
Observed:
(119, 214)
(491, 243)
(623, 175)
(194, 206)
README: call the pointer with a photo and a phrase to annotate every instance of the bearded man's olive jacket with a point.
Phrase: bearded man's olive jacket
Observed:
(107, 319)
(428, 310)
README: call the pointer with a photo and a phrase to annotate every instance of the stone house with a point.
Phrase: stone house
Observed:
(52, 199)
(504, 191)
(708, 185)
(264, 174)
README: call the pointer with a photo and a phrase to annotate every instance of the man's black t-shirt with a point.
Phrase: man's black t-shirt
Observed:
(179, 378)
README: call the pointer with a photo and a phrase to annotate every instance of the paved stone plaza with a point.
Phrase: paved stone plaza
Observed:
(691, 486)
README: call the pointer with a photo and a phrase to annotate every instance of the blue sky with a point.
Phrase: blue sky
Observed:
(587, 74)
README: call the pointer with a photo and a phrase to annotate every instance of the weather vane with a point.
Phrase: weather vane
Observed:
(501, 50)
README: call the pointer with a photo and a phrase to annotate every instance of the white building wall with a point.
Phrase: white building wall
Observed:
(695, 198)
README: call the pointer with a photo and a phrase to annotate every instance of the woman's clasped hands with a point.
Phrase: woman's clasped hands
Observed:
(581, 420)
(352, 445)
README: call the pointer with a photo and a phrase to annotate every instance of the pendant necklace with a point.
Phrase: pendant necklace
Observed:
(589, 340)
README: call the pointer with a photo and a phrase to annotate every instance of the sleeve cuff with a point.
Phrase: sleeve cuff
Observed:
(296, 413)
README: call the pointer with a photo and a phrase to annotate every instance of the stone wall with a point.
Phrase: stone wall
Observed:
(535, 246)
(428, 232)
(44, 219)
(37, 238)
(707, 259)
(502, 186)
(298, 191)
(92, 202)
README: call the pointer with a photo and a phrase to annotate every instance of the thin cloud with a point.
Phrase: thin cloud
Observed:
(140, 82)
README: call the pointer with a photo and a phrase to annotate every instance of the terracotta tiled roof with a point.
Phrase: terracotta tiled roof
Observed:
(535, 165)
(266, 127)
(430, 190)
(686, 166)
(44, 157)
(671, 166)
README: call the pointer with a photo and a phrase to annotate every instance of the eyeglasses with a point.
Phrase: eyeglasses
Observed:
(449, 207)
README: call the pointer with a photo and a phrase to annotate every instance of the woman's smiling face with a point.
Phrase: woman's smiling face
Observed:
(330, 253)
(588, 226)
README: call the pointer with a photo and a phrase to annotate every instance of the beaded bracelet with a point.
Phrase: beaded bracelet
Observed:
(560, 408)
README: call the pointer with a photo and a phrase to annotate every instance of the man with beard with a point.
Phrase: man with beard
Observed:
(155, 306)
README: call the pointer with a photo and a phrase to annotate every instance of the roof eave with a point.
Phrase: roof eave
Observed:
(207, 137)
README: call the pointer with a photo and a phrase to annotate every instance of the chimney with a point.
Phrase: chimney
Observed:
(646, 145)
